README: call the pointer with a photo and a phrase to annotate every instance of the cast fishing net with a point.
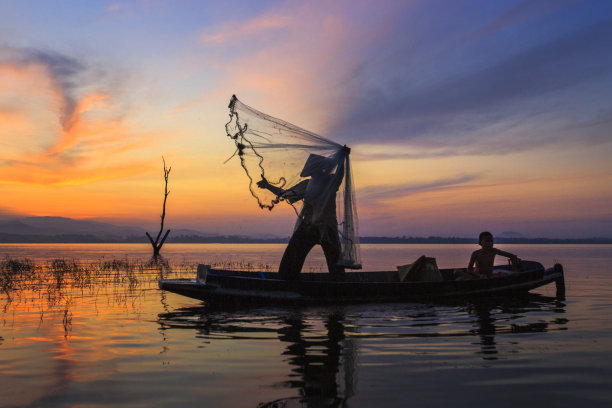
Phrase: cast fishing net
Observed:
(285, 163)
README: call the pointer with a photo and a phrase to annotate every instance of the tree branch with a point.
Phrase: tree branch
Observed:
(157, 244)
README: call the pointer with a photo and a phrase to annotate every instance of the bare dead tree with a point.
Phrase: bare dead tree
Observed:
(157, 244)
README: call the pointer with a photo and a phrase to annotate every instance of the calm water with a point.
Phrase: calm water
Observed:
(126, 343)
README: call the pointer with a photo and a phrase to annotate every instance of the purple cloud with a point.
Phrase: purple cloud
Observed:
(514, 87)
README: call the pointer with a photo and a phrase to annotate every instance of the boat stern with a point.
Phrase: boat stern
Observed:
(557, 274)
(202, 273)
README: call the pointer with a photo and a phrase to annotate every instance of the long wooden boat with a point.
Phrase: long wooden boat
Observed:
(222, 285)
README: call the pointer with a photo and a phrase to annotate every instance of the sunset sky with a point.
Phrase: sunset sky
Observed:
(461, 115)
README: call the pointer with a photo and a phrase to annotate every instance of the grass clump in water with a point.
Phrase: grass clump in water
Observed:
(16, 271)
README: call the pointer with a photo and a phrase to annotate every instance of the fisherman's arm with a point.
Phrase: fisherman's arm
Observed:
(296, 192)
(263, 183)
(292, 194)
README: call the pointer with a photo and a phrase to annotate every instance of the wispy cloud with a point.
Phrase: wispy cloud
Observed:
(65, 127)
(237, 31)
(496, 93)
(416, 75)
(375, 194)
(63, 72)
(114, 7)
(293, 56)
(520, 13)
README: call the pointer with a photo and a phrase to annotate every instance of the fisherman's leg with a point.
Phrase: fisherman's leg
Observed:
(332, 250)
(295, 254)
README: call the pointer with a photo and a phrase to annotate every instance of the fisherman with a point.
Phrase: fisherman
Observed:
(317, 222)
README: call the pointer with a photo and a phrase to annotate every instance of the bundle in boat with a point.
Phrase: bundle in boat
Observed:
(424, 269)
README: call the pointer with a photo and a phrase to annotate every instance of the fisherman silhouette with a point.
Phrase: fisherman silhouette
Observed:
(317, 222)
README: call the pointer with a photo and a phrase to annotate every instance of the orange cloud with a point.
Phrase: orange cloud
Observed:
(75, 126)
(29, 104)
(50, 138)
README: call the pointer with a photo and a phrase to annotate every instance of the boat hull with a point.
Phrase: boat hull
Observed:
(221, 286)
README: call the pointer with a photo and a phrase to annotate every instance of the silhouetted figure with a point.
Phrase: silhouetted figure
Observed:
(317, 222)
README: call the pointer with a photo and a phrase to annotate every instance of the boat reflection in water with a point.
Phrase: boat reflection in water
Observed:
(326, 349)
(497, 318)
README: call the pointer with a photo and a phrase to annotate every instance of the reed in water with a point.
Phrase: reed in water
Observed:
(60, 273)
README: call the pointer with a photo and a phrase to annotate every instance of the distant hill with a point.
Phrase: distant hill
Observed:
(510, 234)
(62, 229)
(51, 226)
(67, 230)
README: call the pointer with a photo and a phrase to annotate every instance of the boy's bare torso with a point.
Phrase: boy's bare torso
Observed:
(483, 260)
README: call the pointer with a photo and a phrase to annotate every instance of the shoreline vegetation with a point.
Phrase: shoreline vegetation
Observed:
(52, 287)
(238, 239)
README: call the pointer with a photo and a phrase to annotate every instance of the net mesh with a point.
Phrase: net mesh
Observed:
(285, 163)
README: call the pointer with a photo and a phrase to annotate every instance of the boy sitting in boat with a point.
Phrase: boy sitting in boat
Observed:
(481, 261)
